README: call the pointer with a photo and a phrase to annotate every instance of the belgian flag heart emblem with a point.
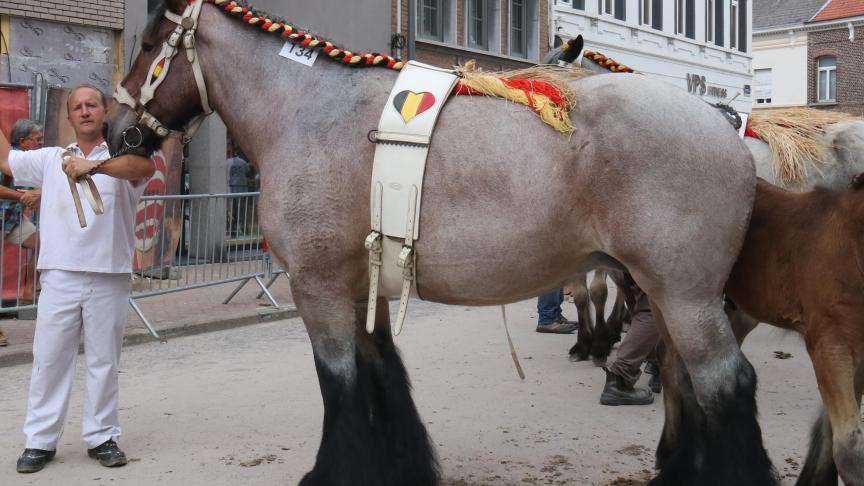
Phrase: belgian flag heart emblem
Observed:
(410, 104)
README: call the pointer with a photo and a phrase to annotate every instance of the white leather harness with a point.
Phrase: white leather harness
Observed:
(403, 137)
(187, 23)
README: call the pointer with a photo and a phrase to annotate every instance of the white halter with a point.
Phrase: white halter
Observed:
(186, 26)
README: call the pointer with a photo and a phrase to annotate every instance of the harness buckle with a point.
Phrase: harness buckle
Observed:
(174, 38)
(187, 23)
(189, 40)
(406, 258)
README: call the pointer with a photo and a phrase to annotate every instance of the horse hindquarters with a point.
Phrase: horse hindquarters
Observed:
(372, 434)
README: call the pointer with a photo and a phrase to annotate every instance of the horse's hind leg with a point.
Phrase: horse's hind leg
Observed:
(584, 334)
(372, 435)
(717, 439)
(601, 347)
(836, 374)
(819, 468)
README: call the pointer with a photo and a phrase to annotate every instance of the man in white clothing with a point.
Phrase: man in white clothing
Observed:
(85, 281)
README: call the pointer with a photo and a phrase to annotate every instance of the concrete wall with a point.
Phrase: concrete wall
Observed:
(785, 53)
(358, 25)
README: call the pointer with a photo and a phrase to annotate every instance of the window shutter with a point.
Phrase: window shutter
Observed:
(657, 14)
(621, 9)
(742, 25)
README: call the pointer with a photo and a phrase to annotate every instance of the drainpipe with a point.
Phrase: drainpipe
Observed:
(412, 28)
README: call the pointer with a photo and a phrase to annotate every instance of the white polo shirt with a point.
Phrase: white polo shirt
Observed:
(106, 245)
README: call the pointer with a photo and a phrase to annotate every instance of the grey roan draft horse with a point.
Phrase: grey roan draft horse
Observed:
(501, 199)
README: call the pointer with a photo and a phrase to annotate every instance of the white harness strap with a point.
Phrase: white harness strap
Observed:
(403, 138)
(187, 23)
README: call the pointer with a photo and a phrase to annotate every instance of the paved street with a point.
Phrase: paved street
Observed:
(242, 406)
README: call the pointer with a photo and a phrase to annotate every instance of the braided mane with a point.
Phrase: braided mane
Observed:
(281, 27)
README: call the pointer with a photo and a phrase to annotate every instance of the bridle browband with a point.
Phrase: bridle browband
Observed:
(187, 23)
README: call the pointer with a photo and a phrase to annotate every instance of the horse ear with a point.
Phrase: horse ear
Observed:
(578, 43)
(573, 48)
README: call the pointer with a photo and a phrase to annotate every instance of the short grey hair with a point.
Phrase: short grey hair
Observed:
(22, 129)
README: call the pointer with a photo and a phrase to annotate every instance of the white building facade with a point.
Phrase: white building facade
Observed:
(701, 46)
(780, 68)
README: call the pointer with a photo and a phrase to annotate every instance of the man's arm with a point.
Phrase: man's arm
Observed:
(5, 148)
(10, 194)
(128, 167)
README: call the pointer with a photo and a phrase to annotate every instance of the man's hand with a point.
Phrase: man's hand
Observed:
(76, 167)
(31, 198)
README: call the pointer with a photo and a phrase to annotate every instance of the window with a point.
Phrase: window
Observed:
(827, 78)
(685, 18)
(577, 4)
(733, 24)
(519, 28)
(719, 16)
(709, 20)
(645, 18)
(431, 19)
(478, 21)
(762, 86)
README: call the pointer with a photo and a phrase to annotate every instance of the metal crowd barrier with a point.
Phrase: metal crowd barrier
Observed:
(182, 243)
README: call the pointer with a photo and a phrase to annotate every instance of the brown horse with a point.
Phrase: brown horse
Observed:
(802, 269)
(500, 199)
(596, 337)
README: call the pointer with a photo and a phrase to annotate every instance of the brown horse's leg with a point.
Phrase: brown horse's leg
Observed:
(601, 347)
(584, 335)
(372, 434)
(742, 323)
(836, 372)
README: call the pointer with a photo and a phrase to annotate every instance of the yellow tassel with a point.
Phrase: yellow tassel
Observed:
(558, 117)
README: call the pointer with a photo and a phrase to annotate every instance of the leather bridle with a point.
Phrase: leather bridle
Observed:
(187, 23)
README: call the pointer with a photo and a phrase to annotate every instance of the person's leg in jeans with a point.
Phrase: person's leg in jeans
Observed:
(549, 316)
(636, 347)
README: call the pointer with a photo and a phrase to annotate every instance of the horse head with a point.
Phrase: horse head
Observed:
(164, 92)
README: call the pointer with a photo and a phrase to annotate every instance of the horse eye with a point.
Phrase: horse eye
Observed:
(147, 47)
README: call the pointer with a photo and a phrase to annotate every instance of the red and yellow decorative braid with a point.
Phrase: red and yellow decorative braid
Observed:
(607, 62)
(279, 27)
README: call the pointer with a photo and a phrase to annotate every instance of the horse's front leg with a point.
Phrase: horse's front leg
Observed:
(836, 372)
(372, 435)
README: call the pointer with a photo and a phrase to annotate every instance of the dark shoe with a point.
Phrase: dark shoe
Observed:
(33, 460)
(654, 384)
(616, 392)
(109, 454)
(561, 326)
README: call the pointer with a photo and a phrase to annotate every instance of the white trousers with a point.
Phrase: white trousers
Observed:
(71, 303)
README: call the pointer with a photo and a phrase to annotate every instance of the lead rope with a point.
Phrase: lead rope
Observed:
(510, 343)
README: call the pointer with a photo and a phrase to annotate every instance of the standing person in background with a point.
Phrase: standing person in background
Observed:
(86, 280)
(17, 228)
(549, 316)
(238, 181)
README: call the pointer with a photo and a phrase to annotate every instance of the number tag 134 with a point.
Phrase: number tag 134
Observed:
(303, 55)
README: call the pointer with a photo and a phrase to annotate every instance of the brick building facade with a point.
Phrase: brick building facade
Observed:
(453, 46)
(835, 60)
(94, 13)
